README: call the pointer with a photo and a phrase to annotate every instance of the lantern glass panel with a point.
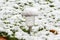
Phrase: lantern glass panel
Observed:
(30, 20)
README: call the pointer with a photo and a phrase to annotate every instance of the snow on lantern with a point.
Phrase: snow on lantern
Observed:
(29, 14)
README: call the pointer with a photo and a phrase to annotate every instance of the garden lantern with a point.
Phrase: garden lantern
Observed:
(29, 14)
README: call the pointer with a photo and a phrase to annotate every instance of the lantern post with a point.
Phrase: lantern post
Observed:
(29, 14)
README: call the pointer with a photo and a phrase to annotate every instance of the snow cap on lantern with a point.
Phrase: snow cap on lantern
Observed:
(31, 11)
(30, 14)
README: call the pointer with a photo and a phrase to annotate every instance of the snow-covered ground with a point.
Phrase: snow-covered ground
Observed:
(47, 20)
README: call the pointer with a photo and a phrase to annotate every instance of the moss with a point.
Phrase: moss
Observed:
(19, 3)
(41, 8)
(11, 26)
(40, 29)
(23, 29)
(16, 7)
(44, 27)
(45, 15)
(22, 39)
(0, 9)
(47, 34)
(49, 1)
(51, 5)
(40, 18)
(53, 18)
(11, 38)
(51, 11)
(4, 34)
(27, 31)
(30, 2)
(25, 4)
(58, 19)
(6, 22)
(15, 24)
(6, 0)
(56, 26)
(3, 19)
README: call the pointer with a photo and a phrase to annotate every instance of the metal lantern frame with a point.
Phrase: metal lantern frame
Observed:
(29, 14)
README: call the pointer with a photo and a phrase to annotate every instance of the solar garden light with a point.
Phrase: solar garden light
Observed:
(29, 14)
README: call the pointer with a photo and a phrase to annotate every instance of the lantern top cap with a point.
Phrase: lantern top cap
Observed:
(31, 11)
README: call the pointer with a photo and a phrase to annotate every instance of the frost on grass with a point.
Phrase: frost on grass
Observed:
(12, 22)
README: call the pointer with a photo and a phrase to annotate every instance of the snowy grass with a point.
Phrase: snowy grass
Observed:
(12, 22)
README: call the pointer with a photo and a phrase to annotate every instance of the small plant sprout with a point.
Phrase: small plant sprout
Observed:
(29, 14)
